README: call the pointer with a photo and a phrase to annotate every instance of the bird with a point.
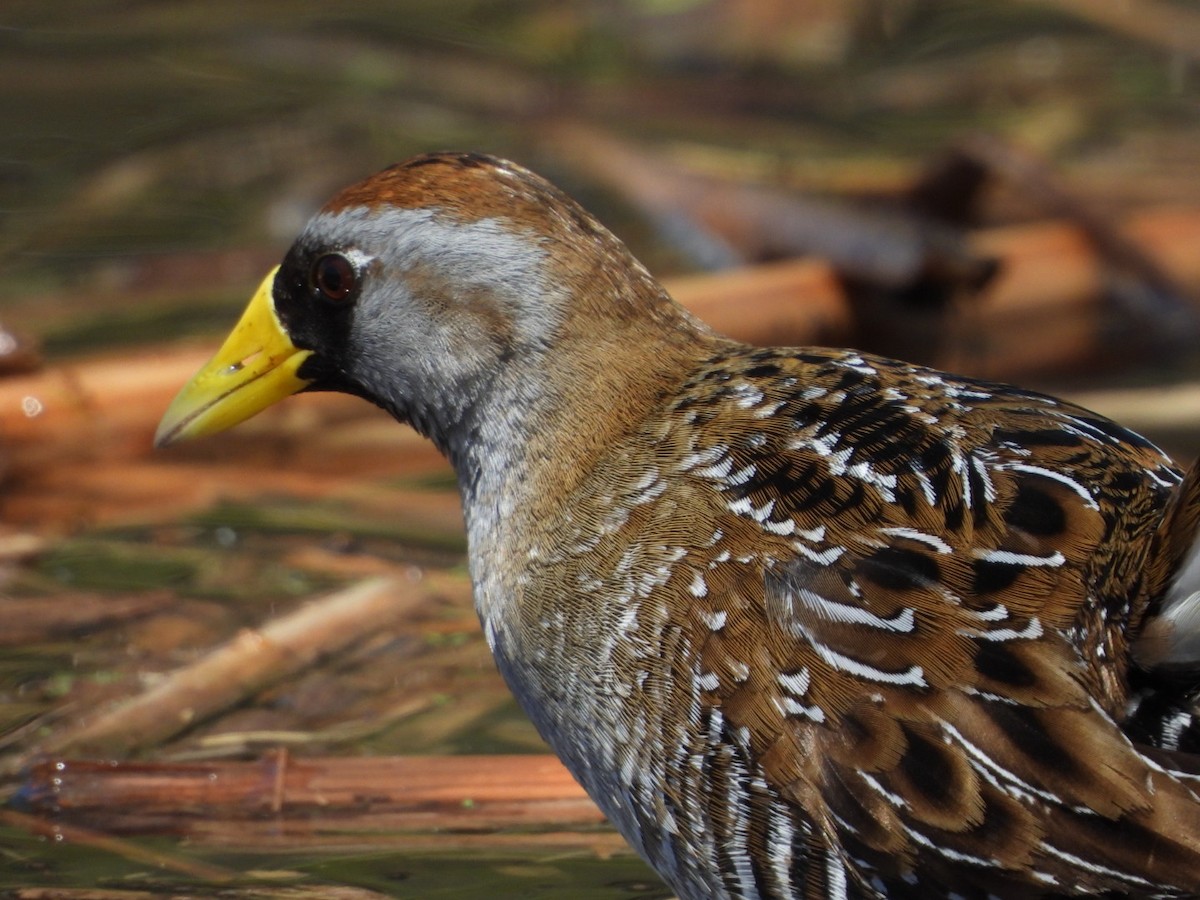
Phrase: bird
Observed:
(804, 622)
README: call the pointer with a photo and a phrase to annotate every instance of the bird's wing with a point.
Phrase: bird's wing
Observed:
(927, 649)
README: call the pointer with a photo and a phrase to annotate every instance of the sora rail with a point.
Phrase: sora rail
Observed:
(804, 622)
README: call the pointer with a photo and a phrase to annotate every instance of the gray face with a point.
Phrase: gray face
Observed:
(438, 306)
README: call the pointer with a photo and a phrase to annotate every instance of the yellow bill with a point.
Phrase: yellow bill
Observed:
(255, 367)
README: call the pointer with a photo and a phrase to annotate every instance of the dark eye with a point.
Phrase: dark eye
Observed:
(334, 277)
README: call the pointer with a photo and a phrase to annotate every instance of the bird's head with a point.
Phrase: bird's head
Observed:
(413, 289)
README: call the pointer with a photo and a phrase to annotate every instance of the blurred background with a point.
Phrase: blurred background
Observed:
(156, 156)
(1006, 188)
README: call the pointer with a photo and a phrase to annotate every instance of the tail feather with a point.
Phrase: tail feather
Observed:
(1170, 635)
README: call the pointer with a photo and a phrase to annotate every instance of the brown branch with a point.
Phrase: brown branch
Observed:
(249, 662)
(390, 793)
